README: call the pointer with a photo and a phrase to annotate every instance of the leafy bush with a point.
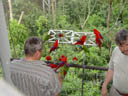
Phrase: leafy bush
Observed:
(18, 33)
(42, 25)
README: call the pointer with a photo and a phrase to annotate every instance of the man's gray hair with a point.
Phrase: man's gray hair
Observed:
(32, 45)
(121, 36)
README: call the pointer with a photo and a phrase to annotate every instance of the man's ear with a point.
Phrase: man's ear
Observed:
(37, 53)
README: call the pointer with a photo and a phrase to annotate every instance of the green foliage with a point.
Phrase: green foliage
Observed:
(32, 11)
(18, 33)
(96, 57)
(70, 15)
(91, 86)
(1, 75)
(124, 18)
(62, 22)
(76, 8)
(68, 88)
(95, 21)
(42, 25)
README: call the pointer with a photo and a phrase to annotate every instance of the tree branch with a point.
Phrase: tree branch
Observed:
(22, 13)
(85, 21)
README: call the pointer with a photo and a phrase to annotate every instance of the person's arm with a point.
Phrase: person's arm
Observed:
(61, 81)
(60, 78)
(108, 79)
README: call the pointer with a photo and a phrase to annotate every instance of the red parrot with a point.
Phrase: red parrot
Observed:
(63, 61)
(60, 35)
(65, 70)
(48, 58)
(74, 59)
(62, 56)
(98, 38)
(53, 65)
(64, 66)
(65, 73)
(81, 41)
(54, 47)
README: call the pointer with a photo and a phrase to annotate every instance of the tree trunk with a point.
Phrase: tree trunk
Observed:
(89, 13)
(108, 26)
(109, 14)
(53, 14)
(10, 9)
(63, 5)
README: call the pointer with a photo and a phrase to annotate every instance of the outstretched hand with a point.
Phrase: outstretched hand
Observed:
(104, 91)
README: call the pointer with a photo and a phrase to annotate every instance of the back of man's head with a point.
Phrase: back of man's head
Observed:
(32, 45)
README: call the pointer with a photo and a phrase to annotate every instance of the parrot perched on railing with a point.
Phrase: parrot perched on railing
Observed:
(81, 41)
(98, 38)
(63, 61)
(60, 35)
(64, 66)
(48, 58)
(75, 59)
(54, 47)
(60, 58)
(53, 66)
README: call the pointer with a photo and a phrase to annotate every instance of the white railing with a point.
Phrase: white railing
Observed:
(70, 37)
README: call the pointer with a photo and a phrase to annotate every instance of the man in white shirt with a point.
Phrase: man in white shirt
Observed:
(118, 67)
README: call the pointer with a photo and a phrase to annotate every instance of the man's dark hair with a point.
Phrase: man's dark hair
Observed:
(121, 36)
(32, 45)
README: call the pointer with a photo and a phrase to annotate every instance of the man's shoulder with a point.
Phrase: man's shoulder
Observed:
(16, 61)
(116, 50)
(23, 61)
(36, 65)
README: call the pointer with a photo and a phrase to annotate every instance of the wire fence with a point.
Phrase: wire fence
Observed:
(72, 84)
